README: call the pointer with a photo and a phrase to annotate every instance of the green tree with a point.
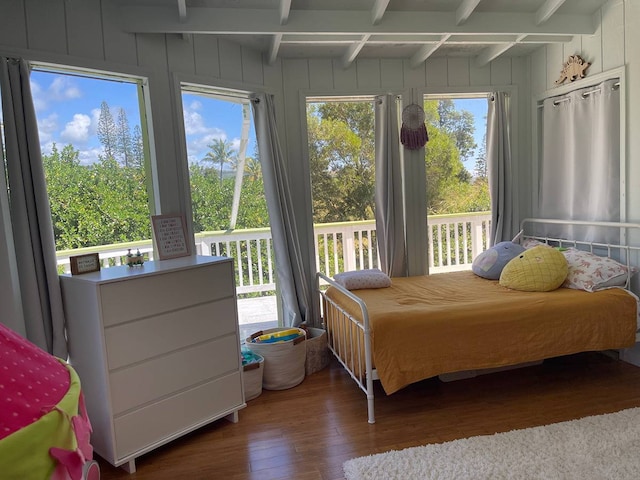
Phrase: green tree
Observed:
(459, 125)
(220, 152)
(341, 149)
(137, 147)
(107, 130)
(123, 137)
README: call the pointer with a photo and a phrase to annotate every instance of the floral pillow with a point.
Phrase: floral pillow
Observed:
(357, 279)
(590, 272)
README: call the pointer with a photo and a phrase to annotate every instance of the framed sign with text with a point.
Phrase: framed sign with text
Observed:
(169, 232)
(84, 263)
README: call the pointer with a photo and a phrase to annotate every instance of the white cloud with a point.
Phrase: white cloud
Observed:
(62, 88)
(47, 126)
(194, 123)
(77, 130)
(89, 156)
(195, 105)
(38, 95)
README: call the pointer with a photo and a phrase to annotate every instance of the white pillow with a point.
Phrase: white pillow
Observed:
(591, 272)
(357, 279)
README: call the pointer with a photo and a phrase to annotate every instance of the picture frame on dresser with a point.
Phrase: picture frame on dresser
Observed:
(169, 233)
(87, 263)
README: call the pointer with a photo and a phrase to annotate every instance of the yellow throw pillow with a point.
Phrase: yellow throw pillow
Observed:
(539, 269)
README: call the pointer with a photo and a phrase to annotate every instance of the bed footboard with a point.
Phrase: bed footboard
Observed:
(349, 338)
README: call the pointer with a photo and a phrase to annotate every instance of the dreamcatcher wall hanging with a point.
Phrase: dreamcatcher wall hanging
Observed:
(413, 133)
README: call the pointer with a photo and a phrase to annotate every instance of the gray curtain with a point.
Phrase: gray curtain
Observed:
(30, 213)
(502, 181)
(580, 158)
(294, 279)
(390, 223)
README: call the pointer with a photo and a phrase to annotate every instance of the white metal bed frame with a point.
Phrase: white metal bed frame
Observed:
(349, 349)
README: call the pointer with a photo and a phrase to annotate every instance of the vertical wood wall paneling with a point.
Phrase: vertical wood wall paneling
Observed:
(119, 46)
(555, 61)
(414, 77)
(368, 73)
(230, 59)
(458, 71)
(152, 53)
(479, 75)
(613, 34)
(252, 66)
(501, 71)
(344, 79)
(437, 72)
(206, 55)
(13, 25)
(180, 54)
(632, 60)
(574, 47)
(273, 79)
(46, 29)
(320, 74)
(592, 47)
(521, 149)
(538, 67)
(84, 29)
(391, 73)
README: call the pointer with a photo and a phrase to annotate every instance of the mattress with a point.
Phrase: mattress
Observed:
(429, 325)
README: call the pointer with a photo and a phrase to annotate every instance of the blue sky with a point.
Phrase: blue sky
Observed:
(68, 109)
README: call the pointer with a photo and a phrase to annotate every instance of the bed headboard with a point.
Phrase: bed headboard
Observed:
(606, 239)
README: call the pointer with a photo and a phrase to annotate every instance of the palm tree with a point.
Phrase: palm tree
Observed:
(220, 152)
(252, 169)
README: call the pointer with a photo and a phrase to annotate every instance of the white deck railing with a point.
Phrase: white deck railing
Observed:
(454, 241)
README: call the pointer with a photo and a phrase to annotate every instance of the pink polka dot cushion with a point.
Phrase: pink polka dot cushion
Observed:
(32, 382)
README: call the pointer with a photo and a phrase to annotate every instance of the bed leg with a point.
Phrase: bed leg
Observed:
(370, 411)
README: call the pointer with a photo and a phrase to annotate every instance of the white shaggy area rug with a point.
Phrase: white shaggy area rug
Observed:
(601, 447)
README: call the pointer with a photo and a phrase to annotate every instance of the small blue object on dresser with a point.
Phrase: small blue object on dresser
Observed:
(489, 264)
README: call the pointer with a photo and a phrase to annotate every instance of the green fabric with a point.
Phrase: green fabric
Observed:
(25, 455)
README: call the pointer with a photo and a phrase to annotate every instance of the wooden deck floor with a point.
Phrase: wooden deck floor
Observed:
(307, 432)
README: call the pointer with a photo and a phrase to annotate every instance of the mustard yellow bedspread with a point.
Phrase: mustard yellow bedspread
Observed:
(429, 325)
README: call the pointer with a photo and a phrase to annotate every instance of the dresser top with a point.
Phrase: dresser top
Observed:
(123, 272)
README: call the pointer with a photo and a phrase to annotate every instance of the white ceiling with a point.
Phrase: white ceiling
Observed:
(348, 29)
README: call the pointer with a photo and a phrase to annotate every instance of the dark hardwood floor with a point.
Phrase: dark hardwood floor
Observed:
(307, 432)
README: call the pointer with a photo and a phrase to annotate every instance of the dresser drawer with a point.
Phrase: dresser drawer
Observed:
(135, 298)
(178, 414)
(142, 383)
(136, 341)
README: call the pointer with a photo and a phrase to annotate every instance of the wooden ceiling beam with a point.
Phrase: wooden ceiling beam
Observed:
(377, 12)
(493, 52)
(221, 21)
(545, 11)
(465, 10)
(352, 51)
(426, 51)
(285, 9)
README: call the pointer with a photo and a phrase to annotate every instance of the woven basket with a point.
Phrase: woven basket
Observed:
(284, 362)
(252, 378)
(318, 355)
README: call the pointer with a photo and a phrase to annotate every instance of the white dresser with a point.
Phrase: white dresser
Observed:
(157, 351)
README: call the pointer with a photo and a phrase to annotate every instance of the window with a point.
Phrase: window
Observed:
(230, 216)
(342, 164)
(458, 202)
(95, 152)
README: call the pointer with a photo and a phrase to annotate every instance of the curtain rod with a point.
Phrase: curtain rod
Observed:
(584, 95)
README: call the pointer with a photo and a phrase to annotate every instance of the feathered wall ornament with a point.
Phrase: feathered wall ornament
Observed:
(413, 133)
